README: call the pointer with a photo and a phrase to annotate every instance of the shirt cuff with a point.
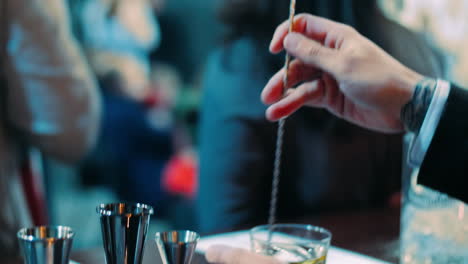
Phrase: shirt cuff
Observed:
(420, 143)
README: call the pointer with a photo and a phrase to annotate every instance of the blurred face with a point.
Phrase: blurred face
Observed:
(134, 75)
(166, 82)
(135, 78)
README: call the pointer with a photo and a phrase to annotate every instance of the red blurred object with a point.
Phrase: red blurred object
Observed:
(31, 177)
(151, 100)
(180, 175)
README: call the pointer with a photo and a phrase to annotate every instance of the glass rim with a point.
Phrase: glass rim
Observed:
(307, 227)
(104, 210)
(195, 235)
(22, 234)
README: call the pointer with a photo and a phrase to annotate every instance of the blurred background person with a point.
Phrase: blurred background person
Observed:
(126, 27)
(133, 147)
(147, 111)
(117, 46)
(49, 101)
(118, 36)
(328, 164)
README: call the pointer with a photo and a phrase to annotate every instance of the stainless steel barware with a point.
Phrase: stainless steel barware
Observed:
(124, 229)
(46, 244)
(177, 247)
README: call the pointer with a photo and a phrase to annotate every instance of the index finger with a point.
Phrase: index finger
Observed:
(313, 27)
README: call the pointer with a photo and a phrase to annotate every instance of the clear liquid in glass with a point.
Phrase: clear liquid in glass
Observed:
(292, 253)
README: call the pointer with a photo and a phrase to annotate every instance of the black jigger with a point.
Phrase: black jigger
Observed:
(124, 228)
(177, 247)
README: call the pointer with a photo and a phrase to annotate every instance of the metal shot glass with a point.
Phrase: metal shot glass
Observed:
(124, 228)
(177, 247)
(46, 244)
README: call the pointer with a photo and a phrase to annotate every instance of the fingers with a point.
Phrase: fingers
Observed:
(313, 43)
(313, 27)
(310, 93)
(228, 255)
(298, 72)
(311, 52)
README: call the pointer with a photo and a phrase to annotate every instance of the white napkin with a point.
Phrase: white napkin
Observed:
(241, 239)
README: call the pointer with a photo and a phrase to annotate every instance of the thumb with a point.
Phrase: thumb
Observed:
(311, 52)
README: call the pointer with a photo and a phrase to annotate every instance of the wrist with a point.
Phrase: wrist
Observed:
(414, 111)
(402, 86)
(408, 82)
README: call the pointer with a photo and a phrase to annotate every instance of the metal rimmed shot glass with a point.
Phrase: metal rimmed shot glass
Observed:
(176, 247)
(124, 228)
(46, 244)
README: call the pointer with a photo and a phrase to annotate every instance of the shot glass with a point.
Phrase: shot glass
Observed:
(292, 243)
(46, 244)
(176, 247)
(124, 228)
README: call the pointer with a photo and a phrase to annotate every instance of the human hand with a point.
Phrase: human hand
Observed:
(339, 70)
(229, 255)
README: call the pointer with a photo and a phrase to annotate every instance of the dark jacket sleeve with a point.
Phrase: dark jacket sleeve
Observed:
(445, 167)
